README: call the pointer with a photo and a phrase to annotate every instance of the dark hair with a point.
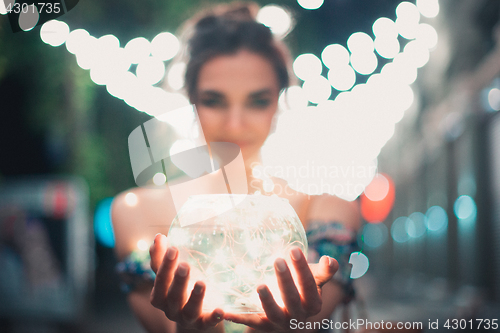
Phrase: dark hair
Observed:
(227, 30)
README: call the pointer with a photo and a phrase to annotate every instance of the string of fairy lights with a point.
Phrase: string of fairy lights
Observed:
(354, 124)
(351, 120)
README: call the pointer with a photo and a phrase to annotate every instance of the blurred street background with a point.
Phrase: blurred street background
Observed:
(432, 216)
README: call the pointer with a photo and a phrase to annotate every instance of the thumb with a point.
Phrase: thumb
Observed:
(324, 270)
(157, 251)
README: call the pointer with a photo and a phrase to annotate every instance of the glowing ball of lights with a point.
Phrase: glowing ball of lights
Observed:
(378, 199)
(233, 248)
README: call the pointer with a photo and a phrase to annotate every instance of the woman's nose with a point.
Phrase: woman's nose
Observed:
(235, 119)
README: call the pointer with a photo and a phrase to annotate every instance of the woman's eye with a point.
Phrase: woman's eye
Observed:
(261, 103)
(212, 103)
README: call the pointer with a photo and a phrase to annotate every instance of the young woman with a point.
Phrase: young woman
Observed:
(235, 73)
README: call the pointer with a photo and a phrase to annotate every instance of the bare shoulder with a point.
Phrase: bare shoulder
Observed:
(330, 208)
(139, 214)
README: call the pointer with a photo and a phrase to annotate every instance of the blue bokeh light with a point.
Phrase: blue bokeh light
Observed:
(398, 230)
(465, 207)
(103, 228)
(375, 235)
(416, 225)
(437, 218)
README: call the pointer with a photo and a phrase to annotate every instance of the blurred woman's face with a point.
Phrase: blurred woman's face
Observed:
(237, 97)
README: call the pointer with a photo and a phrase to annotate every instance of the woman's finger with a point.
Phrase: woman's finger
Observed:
(177, 292)
(324, 270)
(192, 310)
(289, 292)
(273, 311)
(164, 276)
(306, 282)
(157, 251)
(251, 320)
(211, 319)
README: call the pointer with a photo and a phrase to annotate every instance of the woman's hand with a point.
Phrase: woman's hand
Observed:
(169, 293)
(302, 299)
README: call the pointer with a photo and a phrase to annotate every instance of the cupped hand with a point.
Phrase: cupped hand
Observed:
(301, 298)
(170, 294)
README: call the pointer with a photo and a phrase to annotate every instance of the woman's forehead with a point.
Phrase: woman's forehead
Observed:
(245, 72)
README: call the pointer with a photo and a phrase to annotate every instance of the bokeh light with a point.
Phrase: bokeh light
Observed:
(437, 218)
(375, 235)
(364, 63)
(54, 32)
(465, 208)
(407, 20)
(385, 28)
(416, 225)
(378, 188)
(310, 4)
(494, 99)
(159, 179)
(295, 98)
(131, 199)
(335, 55)
(387, 47)
(175, 76)
(360, 42)
(103, 227)
(398, 230)
(142, 245)
(165, 46)
(76, 40)
(427, 35)
(428, 8)
(317, 89)
(417, 53)
(276, 18)
(378, 198)
(137, 49)
(342, 77)
(150, 70)
(306, 66)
